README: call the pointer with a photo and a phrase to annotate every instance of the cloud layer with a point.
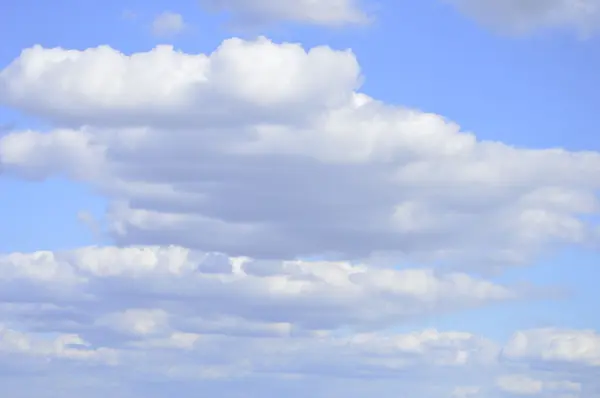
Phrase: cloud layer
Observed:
(172, 314)
(308, 166)
(300, 296)
(276, 227)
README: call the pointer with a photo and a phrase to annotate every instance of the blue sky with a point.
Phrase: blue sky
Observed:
(303, 194)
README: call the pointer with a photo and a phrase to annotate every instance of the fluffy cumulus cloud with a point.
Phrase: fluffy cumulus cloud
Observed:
(205, 320)
(270, 150)
(257, 199)
(526, 16)
(314, 12)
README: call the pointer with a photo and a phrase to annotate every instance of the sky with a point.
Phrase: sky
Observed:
(301, 198)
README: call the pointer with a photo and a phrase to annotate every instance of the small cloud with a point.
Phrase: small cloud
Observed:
(168, 24)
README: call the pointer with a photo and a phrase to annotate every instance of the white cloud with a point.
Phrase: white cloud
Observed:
(565, 346)
(310, 296)
(136, 321)
(168, 24)
(148, 315)
(523, 385)
(466, 391)
(268, 150)
(64, 346)
(520, 385)
(526, 16)
(316, 12)
(226, 169)
(171, 85)
(180, 316)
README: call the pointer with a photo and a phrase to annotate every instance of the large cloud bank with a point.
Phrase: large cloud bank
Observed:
(256, 197)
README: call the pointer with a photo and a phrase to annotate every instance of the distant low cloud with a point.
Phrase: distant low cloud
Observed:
(314, 12)
(132, 317)
(520, 385)
(528, 16)
(168, 24)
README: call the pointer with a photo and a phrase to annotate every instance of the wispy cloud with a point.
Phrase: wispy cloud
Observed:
(168, 24)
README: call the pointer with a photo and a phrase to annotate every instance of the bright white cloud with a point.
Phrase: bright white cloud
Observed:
(168, 24)
(525, 16)
(268, 150)
(258, 80)
(315, 12)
